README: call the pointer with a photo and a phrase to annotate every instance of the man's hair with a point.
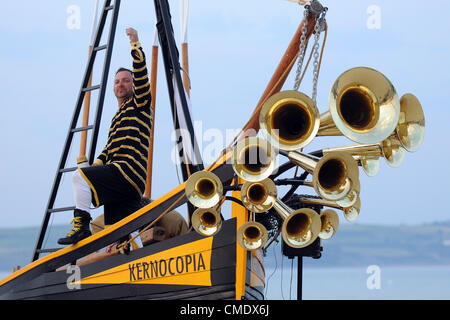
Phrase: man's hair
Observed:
(124, 69)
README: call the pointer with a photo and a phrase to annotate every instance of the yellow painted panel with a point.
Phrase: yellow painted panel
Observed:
(188, 264)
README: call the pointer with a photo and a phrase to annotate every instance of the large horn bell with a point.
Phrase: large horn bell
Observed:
(206, 222)
(300, 227)
(289, 120)
(259, 196)
(332, 174)
(253, 159)
(364, 107)
(204, 189)
(252, 235)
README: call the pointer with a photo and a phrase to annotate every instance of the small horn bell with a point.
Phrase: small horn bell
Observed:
(330, 223)
(259, 196)
(206, 222)
(301, 227)
(411, 125)
(332, 174)
(252, 235)
(253, 159)
(204, 189)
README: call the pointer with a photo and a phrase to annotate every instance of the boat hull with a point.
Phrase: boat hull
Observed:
(185, 267)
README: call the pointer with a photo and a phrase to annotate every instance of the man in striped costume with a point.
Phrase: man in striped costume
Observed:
(117, 178)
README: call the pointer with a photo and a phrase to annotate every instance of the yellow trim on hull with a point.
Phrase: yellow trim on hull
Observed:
(107, 231)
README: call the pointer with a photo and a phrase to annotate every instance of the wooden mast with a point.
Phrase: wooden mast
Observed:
(153, 79)
(82, 160)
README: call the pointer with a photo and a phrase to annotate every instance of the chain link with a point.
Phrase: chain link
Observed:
(318, 28)
(302, 50)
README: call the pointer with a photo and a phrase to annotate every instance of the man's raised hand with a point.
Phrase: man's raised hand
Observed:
(132, 34)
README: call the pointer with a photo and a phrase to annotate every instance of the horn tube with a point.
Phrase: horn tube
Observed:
(253, 159)
(206, 222)
(332, 174)
(368, 154)
(204, 189)
(351, 213)
(252, 235)
(289, 120)
(364, 107)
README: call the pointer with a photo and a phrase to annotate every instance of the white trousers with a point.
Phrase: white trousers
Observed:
(82, 192)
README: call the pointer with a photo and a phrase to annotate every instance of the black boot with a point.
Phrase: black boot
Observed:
(80, 228)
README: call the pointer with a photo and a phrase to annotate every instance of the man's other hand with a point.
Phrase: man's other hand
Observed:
(132, 34)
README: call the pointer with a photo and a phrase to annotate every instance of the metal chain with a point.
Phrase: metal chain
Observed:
(302, 50)
(320, 12)
(318, 29)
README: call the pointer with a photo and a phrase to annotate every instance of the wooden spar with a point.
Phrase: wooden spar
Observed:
(184, 7)
(278, 78)
(82, 159)
(153, 79)
(185, 62)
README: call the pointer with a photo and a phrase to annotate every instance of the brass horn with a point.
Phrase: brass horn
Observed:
(253, 159)
(368, 154)
(206, 222)
(204, 189)
(351, 213)
(333, 174)
(411, 125)
(351, 198)
(289, 120)
(300, 227)
(364, 107)
(330, 224)
(259, 196)
(252, 235)
(408, 136)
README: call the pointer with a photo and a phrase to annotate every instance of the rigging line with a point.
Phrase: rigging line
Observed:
(273, 272)
(323, 47)
(275, 237)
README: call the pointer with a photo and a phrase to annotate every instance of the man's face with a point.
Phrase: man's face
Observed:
(123, 85)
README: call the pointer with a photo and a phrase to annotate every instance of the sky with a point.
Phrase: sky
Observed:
(234, 48)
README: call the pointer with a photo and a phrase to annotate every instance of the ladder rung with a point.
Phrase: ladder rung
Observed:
(91, 88)
(68, 169)
(82, 128)
(109, 8)
(49, 250)
(61, 209)
(101, 48)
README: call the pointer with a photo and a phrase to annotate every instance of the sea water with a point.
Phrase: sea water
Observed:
(361, 283)
(357, 283)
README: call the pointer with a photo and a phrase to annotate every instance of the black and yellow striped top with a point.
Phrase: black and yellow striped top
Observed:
(129, 134)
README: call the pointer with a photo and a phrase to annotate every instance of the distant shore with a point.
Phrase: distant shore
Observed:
(353, 245)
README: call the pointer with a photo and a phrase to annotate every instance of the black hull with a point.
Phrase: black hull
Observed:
(204, 273)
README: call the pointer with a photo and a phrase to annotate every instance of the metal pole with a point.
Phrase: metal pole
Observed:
(299, 277)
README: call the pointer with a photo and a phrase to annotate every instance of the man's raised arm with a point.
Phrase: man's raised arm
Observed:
(141, 84)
